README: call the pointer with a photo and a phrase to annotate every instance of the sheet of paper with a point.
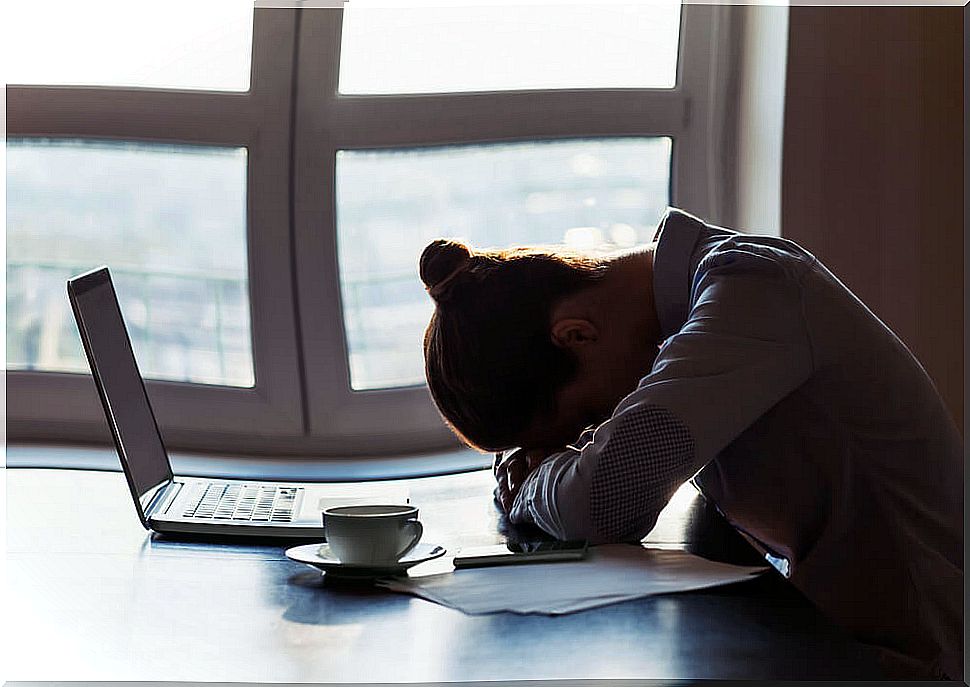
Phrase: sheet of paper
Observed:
(611, 573)
(361, 493)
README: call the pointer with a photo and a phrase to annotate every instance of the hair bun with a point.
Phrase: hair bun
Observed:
(441, 262)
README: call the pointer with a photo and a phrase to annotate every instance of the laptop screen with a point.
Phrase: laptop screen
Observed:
(122, 392)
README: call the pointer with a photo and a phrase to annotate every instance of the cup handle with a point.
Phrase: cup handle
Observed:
(417, 529)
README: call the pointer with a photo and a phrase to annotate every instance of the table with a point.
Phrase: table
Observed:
(93, 596)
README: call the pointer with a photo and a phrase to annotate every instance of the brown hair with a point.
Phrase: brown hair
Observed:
(490, 361)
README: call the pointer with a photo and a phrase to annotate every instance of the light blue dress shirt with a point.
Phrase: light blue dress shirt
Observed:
(809, 425)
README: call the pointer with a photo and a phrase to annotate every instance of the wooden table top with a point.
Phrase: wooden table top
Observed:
(93, 596)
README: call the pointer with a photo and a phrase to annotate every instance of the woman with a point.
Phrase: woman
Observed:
(735, 360)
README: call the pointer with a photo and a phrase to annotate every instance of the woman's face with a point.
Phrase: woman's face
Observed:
(607, 373)
(613, 333)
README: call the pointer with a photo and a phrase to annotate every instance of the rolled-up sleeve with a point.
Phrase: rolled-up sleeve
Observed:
(743, 348)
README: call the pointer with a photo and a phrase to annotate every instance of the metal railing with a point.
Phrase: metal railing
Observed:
(171, 333)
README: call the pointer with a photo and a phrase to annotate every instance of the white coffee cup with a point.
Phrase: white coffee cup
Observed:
(371, 535)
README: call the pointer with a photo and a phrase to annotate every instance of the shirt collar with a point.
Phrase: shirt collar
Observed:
(676, 238)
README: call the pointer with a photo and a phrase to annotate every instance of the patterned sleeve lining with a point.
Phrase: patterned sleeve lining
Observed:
(641, 466)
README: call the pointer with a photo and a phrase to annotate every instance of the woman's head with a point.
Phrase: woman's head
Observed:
(490, 361)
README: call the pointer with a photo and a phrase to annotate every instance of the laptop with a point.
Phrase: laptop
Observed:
(169, 503)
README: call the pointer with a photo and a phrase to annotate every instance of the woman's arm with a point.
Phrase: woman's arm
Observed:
(743, 348)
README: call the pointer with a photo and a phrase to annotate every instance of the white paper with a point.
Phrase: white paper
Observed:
(361, 494)
(611, 573)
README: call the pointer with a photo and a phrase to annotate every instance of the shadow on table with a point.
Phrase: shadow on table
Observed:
(344, 602)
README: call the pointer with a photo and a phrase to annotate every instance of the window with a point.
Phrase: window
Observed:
(392, 203)
(159, 185)
(181, 44)
(171, 222)
(261, 183)
(589, 45)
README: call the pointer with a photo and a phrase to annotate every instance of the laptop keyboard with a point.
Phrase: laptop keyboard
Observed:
(256, 503)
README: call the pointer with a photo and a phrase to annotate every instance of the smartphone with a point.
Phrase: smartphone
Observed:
(513, 553)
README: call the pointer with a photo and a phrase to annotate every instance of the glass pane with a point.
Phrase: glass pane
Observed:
(508, 47)
(175, 44)
(170, 223)
(589, 194)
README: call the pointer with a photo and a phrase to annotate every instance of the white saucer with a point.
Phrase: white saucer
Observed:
(319, 556)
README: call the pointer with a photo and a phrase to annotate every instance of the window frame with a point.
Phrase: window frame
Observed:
(293, 120)
(694, 113)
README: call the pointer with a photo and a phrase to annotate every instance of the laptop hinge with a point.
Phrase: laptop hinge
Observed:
(162, 498)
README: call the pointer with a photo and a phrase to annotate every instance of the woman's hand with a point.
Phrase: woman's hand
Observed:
(511, 468)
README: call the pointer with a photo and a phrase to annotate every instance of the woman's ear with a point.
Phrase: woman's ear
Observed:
(571, 333)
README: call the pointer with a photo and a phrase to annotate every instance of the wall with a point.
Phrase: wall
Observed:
(872, 167)
(761, 111)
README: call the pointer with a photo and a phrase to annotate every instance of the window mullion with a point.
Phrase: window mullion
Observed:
(131, 114)
(381, 121)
